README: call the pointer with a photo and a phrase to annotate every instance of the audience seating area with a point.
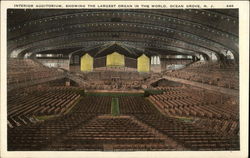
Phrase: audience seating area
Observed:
(190, 136)
(134, 105)
(25, 105)
(208, 110)
(210, 73)
(94, 105)
(27, 70)
(184, 101)
(89, 126)
(110, 134)
(38, 136)
(54, 116)
(227, 127)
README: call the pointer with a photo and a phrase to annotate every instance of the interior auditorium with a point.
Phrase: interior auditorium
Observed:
(123, 80)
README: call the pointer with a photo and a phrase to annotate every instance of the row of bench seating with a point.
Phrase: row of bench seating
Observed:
(94, 105)
(227, 127)
(133, 105)
(183, 102)
(190, 136)
(25, 105)
(39, 136)
(209, 73)
(27, 70)
(109, 133)
(83, 129)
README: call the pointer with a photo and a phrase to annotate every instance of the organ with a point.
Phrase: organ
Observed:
(87, 63)
(115, 60)
(143, 63)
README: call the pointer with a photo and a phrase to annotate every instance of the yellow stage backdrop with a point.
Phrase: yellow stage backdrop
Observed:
(143, 63)
(87, 62)
(115, 59)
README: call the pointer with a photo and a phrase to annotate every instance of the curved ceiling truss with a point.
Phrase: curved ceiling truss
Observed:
(193, 32)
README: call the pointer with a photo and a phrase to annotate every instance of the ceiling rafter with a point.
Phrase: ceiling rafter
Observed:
(195, 31)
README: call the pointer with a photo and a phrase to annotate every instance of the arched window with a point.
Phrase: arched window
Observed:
(14, 54)
(27, 55)
(178, 56)
(229, 55)
(71, 60)
(201, 58)
(152, 60)
(214, 57)
(38, 55)
(155, 60)
(76, 59)
(158, 60)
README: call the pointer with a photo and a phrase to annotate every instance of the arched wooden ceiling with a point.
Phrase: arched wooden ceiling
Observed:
(176, 31)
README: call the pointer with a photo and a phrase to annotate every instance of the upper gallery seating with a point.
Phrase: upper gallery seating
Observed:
(25, 70)
(218, 74)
